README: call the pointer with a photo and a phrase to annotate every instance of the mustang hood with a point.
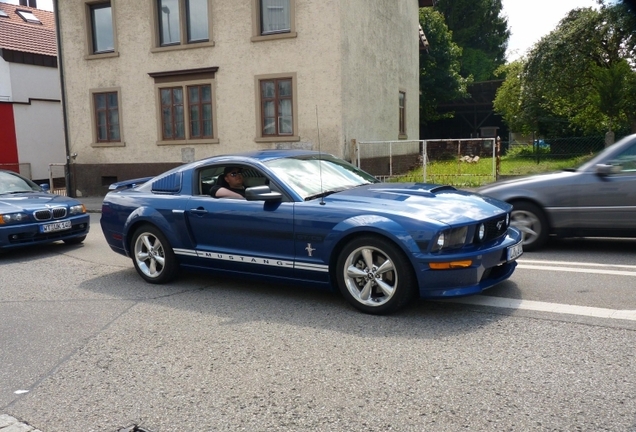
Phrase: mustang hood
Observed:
(443, 204)
(28, 201)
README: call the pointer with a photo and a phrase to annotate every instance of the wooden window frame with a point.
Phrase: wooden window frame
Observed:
(106, 143)
(90, 54)
(257, 34)
(185, 79)
(183, 29)
(200, 105)
(260, 137)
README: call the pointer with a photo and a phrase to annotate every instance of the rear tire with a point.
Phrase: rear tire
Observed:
(375, 276)
(531, 221)
(153, 256)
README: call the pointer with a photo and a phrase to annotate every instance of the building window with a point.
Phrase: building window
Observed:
(402, 113)
(102, 31)
(277, 107)
(199, 112)
(172, 115)
(106, 111)
(273, 19)
(28, 16)
(185, 106)
(200, 109)
(275, 16)
(182, 22)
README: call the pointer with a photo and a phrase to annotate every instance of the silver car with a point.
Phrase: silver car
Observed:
(598, 199)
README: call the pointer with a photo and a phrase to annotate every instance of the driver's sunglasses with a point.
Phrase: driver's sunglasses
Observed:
(236, 173)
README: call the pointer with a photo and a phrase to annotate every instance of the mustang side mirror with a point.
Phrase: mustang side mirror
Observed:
(262, 193)
(606, 169)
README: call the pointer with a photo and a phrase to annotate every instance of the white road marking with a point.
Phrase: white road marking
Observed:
(508, 303)
(577, 270)
(572, 263)
(562, 266)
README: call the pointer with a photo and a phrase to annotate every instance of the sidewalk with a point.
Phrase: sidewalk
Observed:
(93, 204)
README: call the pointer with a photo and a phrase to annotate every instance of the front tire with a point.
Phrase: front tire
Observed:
(153, 256)
(375, 276)
(530, 220)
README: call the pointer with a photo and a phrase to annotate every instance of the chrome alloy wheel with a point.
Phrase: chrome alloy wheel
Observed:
(149, 255)
(370, 276)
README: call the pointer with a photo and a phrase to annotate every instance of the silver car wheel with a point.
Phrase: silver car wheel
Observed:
(529, 225)
(149, 255)
(370, 276)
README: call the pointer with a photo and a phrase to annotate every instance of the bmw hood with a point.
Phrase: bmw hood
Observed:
(443, 204)
(29, 201)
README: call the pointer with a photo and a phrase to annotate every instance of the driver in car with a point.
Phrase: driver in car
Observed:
(230, 184)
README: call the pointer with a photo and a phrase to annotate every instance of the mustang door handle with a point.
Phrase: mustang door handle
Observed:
(199, 211)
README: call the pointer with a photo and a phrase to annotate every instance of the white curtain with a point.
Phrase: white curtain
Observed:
(275, 16)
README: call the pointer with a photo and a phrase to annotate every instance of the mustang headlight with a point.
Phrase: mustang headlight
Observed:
(77, 209)
(481, 231)
(453, 238)
(440, 240)
(13, 218)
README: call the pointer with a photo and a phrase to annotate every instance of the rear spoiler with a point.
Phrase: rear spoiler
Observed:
(128, 184)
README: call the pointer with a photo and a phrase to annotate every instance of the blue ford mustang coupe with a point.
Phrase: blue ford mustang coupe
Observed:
(313, 219)
(29, 216)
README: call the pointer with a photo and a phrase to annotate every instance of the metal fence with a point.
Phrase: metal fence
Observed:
(57, 178)
(457, 161)
(471, 162)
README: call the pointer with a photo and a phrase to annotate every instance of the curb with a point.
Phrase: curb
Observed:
(12, 424)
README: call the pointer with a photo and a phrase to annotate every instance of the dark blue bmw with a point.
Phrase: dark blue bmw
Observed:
(29, 216)
(313, 219)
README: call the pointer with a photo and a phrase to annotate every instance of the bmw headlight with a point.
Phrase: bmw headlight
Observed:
(13, 218)
(77, 209)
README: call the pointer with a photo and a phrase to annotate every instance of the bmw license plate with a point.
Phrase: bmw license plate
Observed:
(55, 226)
(515, 251)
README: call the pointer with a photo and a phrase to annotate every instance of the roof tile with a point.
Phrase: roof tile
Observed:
(19, 35)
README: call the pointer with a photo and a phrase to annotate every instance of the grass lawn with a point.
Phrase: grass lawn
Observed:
(462, 174)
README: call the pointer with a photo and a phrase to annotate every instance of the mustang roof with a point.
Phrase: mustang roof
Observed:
(267, 154)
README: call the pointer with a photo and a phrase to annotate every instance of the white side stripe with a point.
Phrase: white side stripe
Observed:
(252, 260)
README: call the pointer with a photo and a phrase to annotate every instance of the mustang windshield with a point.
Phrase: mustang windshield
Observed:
(316, 176)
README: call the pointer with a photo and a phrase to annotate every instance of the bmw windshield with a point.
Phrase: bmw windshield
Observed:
(11, 183)
(316, 176)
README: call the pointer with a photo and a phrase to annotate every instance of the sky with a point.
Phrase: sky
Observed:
(528, 20)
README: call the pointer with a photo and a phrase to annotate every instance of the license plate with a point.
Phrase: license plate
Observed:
(55, 226)
(515, 251)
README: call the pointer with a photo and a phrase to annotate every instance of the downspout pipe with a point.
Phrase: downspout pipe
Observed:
(60, 66)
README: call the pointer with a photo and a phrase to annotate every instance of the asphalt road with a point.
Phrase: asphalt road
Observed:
(88, 346)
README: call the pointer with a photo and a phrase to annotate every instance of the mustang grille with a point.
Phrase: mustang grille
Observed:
(48, 214)
(495, 228)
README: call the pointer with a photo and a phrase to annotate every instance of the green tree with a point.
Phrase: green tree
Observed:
(579, 78)
(480, 29)
(440, 80)
(508, 101)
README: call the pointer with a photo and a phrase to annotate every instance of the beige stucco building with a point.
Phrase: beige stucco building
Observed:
(150, 84)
